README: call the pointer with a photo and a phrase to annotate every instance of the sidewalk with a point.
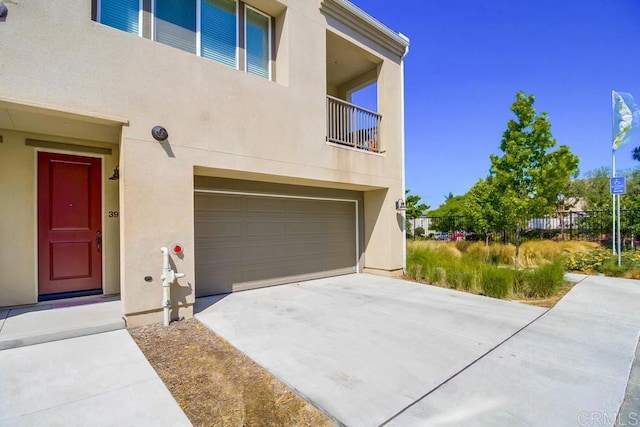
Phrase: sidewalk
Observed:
(63, 364)
(57, 320)
(570, 367)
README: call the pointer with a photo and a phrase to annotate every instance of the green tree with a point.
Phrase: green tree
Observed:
(482, 208)
(448, 216)
(528, 177)
(452, 206)
(592, 190)
(414, 209)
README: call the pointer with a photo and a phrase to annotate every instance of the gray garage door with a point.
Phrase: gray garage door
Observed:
(250, 241)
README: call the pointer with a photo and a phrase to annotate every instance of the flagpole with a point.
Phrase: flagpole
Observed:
(619, 248)
(613, 207)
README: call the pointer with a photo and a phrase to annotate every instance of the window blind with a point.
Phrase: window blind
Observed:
(257, 43)
(218, 28)
(175, 23)
(121, 14)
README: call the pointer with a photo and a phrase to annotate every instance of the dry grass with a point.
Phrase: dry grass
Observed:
(496, 254)
(446, 247)
(536, 252)
(215, 384)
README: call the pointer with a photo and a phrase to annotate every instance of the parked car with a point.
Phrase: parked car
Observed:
(440, 235)
(457, 236)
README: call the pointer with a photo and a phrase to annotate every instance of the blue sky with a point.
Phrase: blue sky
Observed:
(468, 58)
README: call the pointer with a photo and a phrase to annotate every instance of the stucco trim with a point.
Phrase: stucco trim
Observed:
(67, 147)
(355, 18)
(58, 111)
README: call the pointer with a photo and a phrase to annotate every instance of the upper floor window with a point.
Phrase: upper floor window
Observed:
(207, 28)
(219, 31)
(124, 15)
(174, 23)
(258, 41)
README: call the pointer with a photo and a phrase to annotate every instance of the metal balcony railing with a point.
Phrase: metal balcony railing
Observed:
(353, 126)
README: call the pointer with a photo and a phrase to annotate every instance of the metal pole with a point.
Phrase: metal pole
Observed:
(619, 248)
(613, 175)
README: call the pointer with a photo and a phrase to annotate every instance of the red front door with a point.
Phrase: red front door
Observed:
(69, 223)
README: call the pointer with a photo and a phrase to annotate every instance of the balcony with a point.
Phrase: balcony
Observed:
(352, 71)
(352, 126)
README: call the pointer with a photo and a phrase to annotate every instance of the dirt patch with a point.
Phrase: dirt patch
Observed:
(217, 385)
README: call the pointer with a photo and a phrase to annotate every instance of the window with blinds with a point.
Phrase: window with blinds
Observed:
(121, 14)
(258, 34)
(207, 28)
(218, 31)
(175, 23)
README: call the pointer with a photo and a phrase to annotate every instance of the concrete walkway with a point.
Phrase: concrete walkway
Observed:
(372, 351)
(57, 320)
(64, 364)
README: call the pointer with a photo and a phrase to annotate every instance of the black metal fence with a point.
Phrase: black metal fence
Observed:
(563, 225)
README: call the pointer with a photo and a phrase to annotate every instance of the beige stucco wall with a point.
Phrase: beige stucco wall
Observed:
(221, 121)
(18, 199)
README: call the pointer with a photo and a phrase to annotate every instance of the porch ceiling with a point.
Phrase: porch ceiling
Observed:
(346, 61)
(40, 120)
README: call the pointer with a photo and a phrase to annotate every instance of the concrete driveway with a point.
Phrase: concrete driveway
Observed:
(370, 351)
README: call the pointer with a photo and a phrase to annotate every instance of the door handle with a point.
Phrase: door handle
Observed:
(99, 243)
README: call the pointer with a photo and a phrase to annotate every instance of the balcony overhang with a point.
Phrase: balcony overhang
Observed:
(25, 116)
(349, 66)
(361, 22)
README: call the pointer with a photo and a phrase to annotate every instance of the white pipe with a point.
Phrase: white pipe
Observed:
(166, 285)
(168, 277)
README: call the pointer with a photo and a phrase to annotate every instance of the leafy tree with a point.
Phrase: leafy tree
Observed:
(592, 190)
(414, 209)
(482, 208)
(448, 216)
(419, 231)
(528, 178)
(452, 206)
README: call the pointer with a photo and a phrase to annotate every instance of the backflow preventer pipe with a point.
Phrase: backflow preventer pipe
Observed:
(168, 277)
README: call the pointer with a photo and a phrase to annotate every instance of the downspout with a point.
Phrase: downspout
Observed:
(404, 220)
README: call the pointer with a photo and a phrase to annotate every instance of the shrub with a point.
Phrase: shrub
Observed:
(437, 275)
(632, 274)
(611, 268)
(478, 251)
(502, 254)
(419, 231)
(463, 245)
(520, 282)
(588, 262)
(462, 278)
(545, 280)
(496, 282)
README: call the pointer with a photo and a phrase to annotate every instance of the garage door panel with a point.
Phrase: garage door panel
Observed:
(270, 240)
(265, 252)
(263, 205)
(206, 230)
(218, 256)
(266, 228)
(223, 203)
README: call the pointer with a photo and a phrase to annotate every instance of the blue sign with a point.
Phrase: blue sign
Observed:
(618, 185)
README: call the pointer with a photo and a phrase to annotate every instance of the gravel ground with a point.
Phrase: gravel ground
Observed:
(217, 385)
